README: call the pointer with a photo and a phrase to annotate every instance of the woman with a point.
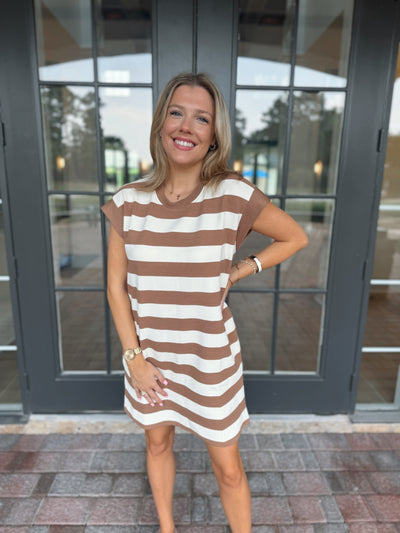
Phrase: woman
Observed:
(172, 239)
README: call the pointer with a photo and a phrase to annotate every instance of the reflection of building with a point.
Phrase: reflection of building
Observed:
(310, 114)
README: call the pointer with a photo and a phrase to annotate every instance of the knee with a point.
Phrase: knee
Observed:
(158, 445)
(230, 477)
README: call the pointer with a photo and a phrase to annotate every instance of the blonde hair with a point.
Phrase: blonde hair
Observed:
(215, 164)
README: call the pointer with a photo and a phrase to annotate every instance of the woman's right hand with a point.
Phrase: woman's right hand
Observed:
(146, 378)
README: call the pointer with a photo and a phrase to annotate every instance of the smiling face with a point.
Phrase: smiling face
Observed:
(188, 129)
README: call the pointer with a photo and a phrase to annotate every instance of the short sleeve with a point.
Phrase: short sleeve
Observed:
(256, 203)
(114, 211)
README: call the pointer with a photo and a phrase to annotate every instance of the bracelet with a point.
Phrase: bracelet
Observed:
(257, 262)
(250, 264)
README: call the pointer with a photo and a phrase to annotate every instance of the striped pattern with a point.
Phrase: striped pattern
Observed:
(179, 258)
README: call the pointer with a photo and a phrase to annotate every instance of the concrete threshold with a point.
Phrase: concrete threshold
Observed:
(259, 424)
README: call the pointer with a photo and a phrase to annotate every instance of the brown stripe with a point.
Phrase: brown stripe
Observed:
(194, 417)
(196, 238)
(184, 348)
(229, 202)
(206, 270)
(182, 324)
(176, 298)
(190, 430)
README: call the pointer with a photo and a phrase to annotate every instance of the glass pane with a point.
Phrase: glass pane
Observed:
(379, 378)
(323, 43)
(259, 137)
(253, 315)
(126, 121)
(265, 35)
(124, 41)
(309, 267)
(70, 137)
(3, 256)
(76, 240)
(7, 335)
(116, 350)
(315, 142)
(387, 245)
(383, 317)
(298, 333)
(64, 40)
(9, 380)
(81, 323)
(253, 244)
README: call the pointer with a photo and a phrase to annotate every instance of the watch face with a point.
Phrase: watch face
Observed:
(129, 355)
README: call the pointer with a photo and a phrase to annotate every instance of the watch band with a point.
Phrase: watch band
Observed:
(131, 353)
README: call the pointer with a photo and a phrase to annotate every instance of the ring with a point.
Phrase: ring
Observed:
(144, 393)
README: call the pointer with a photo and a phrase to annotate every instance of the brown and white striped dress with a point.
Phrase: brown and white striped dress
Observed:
(179, 259)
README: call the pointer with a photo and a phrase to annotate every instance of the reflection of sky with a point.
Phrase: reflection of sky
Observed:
(394, 124)
(253, 103)
(129, 118)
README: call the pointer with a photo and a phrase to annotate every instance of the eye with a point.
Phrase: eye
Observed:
(175, 113)
(203, 119)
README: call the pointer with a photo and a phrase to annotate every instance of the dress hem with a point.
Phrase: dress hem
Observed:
(174, 423)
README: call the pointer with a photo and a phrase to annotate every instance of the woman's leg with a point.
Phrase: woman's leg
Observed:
(233, 486)
(161, 472)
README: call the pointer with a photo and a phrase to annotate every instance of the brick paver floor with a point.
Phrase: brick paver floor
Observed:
(300, 483)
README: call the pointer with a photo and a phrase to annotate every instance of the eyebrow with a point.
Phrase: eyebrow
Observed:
(197, 110)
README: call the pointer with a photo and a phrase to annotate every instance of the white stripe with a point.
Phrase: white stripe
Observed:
(178, 284)
(201, 312)
(208, 340)
(201, 388)
(172, 254)
(234, 187)
(206, 221)
(130, 195)
(212, 413)
(201, 364)
(220, 436)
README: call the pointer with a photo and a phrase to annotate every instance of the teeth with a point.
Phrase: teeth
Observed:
(184, 143)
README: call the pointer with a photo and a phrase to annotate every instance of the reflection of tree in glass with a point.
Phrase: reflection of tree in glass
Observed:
(69, 121)
(116, 161)
(314, 136)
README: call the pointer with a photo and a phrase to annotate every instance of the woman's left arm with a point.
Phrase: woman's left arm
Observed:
(288, 238)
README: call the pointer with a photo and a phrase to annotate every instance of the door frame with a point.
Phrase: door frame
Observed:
(333, 390)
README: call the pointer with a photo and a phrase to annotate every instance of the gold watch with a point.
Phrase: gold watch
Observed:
(130, 353)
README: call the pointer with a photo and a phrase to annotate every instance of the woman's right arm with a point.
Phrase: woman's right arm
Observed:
(144, 374)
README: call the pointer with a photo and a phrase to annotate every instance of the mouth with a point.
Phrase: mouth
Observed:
(184, 143)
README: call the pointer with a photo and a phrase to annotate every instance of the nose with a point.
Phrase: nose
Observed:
(185, 124)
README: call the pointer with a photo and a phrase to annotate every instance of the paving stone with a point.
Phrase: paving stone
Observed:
(29, 443)
(44, 485)
(17, 485)
(263, 529)
(190, 461)
(270, 510)
(275, 484)
(288, 461)
(184, 441)
(330, 528)
(349, 482)
(13, 529)
(121, 529)
(372, 528)
(63, 511)
(354, 509)
(327, 441)
(80, 484)
(118, 462)
(199, 509)
(6, 461)
(331, 510)
(269, 442)
(306, 510)
(66, 529)
(386, 460)
(75, 442)
(247, 441)
(205, 484)
(257, 461)
(385, 482)
(8, 441)
(310, 461)
(294, 441)
(116, 511)
(304, 528)
(197, 529)
(257, 483)
(181, 511)
(305, 483)
(128, 443)
(19, 512)
(387, 441)
(350, 461)
(39, 529)
(53, 461)
(182, 484)
(216, 511)
(130, 485)
(386, 508)
(361, 441)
